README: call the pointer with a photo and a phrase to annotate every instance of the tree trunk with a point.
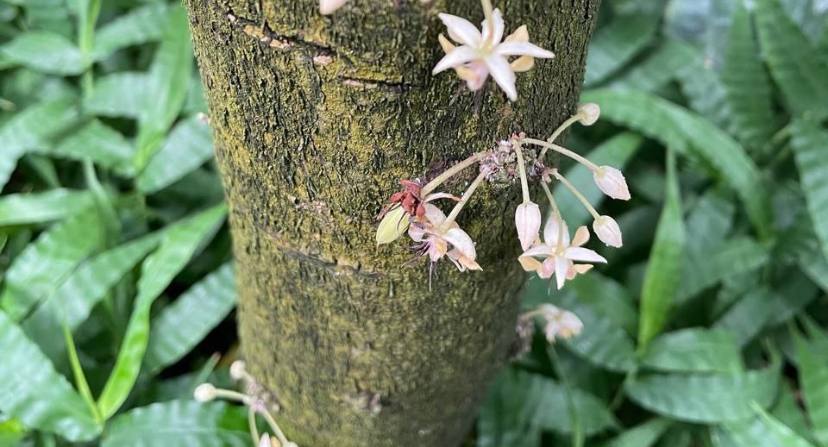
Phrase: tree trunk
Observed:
(316, 120)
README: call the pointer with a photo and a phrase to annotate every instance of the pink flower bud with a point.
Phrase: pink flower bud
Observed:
(528, 223)
(606, 228)
(588, 113)
(611, 182)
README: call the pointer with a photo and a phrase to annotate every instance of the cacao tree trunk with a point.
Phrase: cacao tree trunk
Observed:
(316, 119)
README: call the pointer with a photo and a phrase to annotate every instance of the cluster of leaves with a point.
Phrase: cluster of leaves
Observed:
(709, 328)
(115, 257)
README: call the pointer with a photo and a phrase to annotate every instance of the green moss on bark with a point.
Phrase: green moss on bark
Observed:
(316, 119)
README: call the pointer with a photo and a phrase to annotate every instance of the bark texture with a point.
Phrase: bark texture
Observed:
(316, 119)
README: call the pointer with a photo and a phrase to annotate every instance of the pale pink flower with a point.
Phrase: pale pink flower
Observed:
(611, 182)
(607, 229)
(327, 7)
(481, 54)
(560, 323)
(558, 254)
(437, 241)
(528, 223)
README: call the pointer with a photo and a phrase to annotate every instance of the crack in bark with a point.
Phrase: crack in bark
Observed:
(322, 55)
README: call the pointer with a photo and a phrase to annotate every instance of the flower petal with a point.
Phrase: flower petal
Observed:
(461, 30)
(540, 250)
(502, 73)
(392, 226)
(455, 58)
(329, 6)
(445, 44)
(499, 26)
(529, 263)
(561, 269)
(461, 241)
(519, 35)
(441, 195)
(547, 268)
(583, 254)
(434, 215)
(551, 231)
(523, 63)
(581, 236)
(523, 48)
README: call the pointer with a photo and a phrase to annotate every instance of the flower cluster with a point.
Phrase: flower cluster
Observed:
(554, 252)
(475, 54)
(207, 392)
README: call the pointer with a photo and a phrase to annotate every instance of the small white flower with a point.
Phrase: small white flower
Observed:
(481, 54)
(528, 223)
(607, 229)
(327, 7)
(204, 392)
(588, 113)
(559, 254)
(265, 441)
(559, 323)
(611, 182)
(435, 240)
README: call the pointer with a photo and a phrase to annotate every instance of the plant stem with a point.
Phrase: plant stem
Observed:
(448, 173)
(577, 194)
(275, 427)
(251, 424)
(463, 200)
(524, 185)
(570, 121)
(487, 12)
(561, 150)
(555, 210)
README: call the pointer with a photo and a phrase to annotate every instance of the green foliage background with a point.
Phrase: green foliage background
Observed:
(708, 328)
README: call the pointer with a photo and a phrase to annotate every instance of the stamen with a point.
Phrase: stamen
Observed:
(522, 171)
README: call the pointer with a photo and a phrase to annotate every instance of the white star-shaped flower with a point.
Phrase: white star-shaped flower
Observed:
(481, 54)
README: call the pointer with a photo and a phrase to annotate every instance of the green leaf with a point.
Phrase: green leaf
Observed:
(510, 403)
(704, 90)
(185, 322)
(30, 129)
(41, 207)
(644, 435)
(706, 268)
(602, 342)
(615, 44)
(46, 262)
(746, 84)
(809, 142)
(34, 393)
(101, 144)
(188, 146)
(553, 410)
(88, 11)
(787, 409)
(664, 266)
(118, 95)
(709, 222)
(694, 350)
(685, 132)
(606, 298)
(45, 52)
(179, 423)
(662, 66)
(72, 302)
(813, 378)
(616, 152)
(166, 87)
(798, 68)
(179, 243)
(705, 398)
(762, 431)
(140, 25)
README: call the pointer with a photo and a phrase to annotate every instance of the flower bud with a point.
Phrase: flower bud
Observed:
(588, 113)
(393, 225)
(237, 370)
(264, 441)
(611, 182)
(205, 392)
(606, 228)
(528, 223)
(560, 323)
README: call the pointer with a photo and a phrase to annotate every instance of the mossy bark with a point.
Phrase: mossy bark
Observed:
(316, 119)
